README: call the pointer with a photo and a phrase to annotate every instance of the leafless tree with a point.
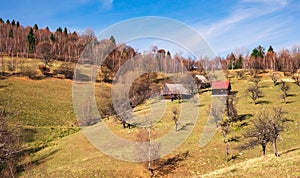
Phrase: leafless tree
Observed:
(175, 117)
(224, 113)
(297, 79)
(254, 93)
(265, 129)
(43, 50)
(145, 149)
(274, 78)
(284, 87)
(225, 130)
(240, 74)
(9, 147)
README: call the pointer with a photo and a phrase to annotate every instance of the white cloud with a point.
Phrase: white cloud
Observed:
(106, 4)
(246, 25)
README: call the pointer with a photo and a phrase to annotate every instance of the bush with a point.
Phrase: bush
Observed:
(32, 72)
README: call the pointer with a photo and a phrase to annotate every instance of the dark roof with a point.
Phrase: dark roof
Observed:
(220, 85)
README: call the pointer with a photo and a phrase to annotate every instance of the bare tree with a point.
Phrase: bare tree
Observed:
(274, 78)
(9, 147)
(225, 130)
(276, 126)
(43, 49)
(265, 129)
(175, 117)
(284, 87)
(224, 113)
(147, 151)
(254, 93)
(297, 79)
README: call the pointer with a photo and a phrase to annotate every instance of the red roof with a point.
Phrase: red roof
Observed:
(221, 85)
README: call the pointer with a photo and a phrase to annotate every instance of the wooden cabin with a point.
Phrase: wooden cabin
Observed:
(175, 91)
(221, 87)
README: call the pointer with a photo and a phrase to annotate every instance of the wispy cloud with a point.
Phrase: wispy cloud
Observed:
(249, 22)
(245, 11)
(106, 4)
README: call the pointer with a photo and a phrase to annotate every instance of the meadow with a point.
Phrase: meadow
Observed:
(44, 112)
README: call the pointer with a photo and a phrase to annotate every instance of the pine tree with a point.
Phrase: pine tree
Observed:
(52, 38)
(11, 34)
(35, 27)
(66, 31)
(59, 30)
(112, 39)
(31, 40)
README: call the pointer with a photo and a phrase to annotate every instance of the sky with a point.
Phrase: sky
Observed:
(226, 25)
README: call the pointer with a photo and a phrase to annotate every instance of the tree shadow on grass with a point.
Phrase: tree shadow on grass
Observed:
(289, 150)
(165, 167)
(23, 167)
(234, 139)
(291, 95)
(243, 117)
(184, 127)
(263, 102)
(233, 157)
(289, 102)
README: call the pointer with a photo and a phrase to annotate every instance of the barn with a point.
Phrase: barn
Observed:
(221, 87)
(201, 82)
(175, 91)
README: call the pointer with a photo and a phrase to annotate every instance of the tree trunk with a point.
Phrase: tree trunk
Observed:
(263, 151)
(227, 152)
(275, 148)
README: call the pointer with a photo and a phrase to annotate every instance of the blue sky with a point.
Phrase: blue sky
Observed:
(227, 25)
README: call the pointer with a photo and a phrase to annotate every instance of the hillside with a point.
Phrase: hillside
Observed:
(55, 154)
(56, 148)
(74, 156)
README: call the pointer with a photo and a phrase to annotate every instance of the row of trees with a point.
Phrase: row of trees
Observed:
(17, 40)
(265, 128)
(259, 59)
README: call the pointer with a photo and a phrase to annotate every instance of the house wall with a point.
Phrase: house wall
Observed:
(220, 92)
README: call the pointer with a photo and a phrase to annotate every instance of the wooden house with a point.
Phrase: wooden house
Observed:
(175, 91)
(201, 82)
(221, 87)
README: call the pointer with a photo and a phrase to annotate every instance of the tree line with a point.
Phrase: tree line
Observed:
(20, 41)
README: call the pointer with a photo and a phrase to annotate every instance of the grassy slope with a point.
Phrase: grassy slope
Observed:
(48, 111)
(43, 108)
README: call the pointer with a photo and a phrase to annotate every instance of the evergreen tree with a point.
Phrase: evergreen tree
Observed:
(59, 29)
(11, 34)
(13, 22)
(7, 21)
(239, 64)
(52, 38)
(258, 52)
(112, 39)
(271, 50)
(18, 24)
(66, 31)
(1, 20)
(35, 27)
(31, 40)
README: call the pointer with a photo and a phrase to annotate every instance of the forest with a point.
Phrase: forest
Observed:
(34, 42)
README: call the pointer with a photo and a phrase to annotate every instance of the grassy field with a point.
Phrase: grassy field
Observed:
(45, 113)
(42, 108)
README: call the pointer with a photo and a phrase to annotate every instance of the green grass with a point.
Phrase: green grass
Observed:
(43, 108)
(45, 111)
